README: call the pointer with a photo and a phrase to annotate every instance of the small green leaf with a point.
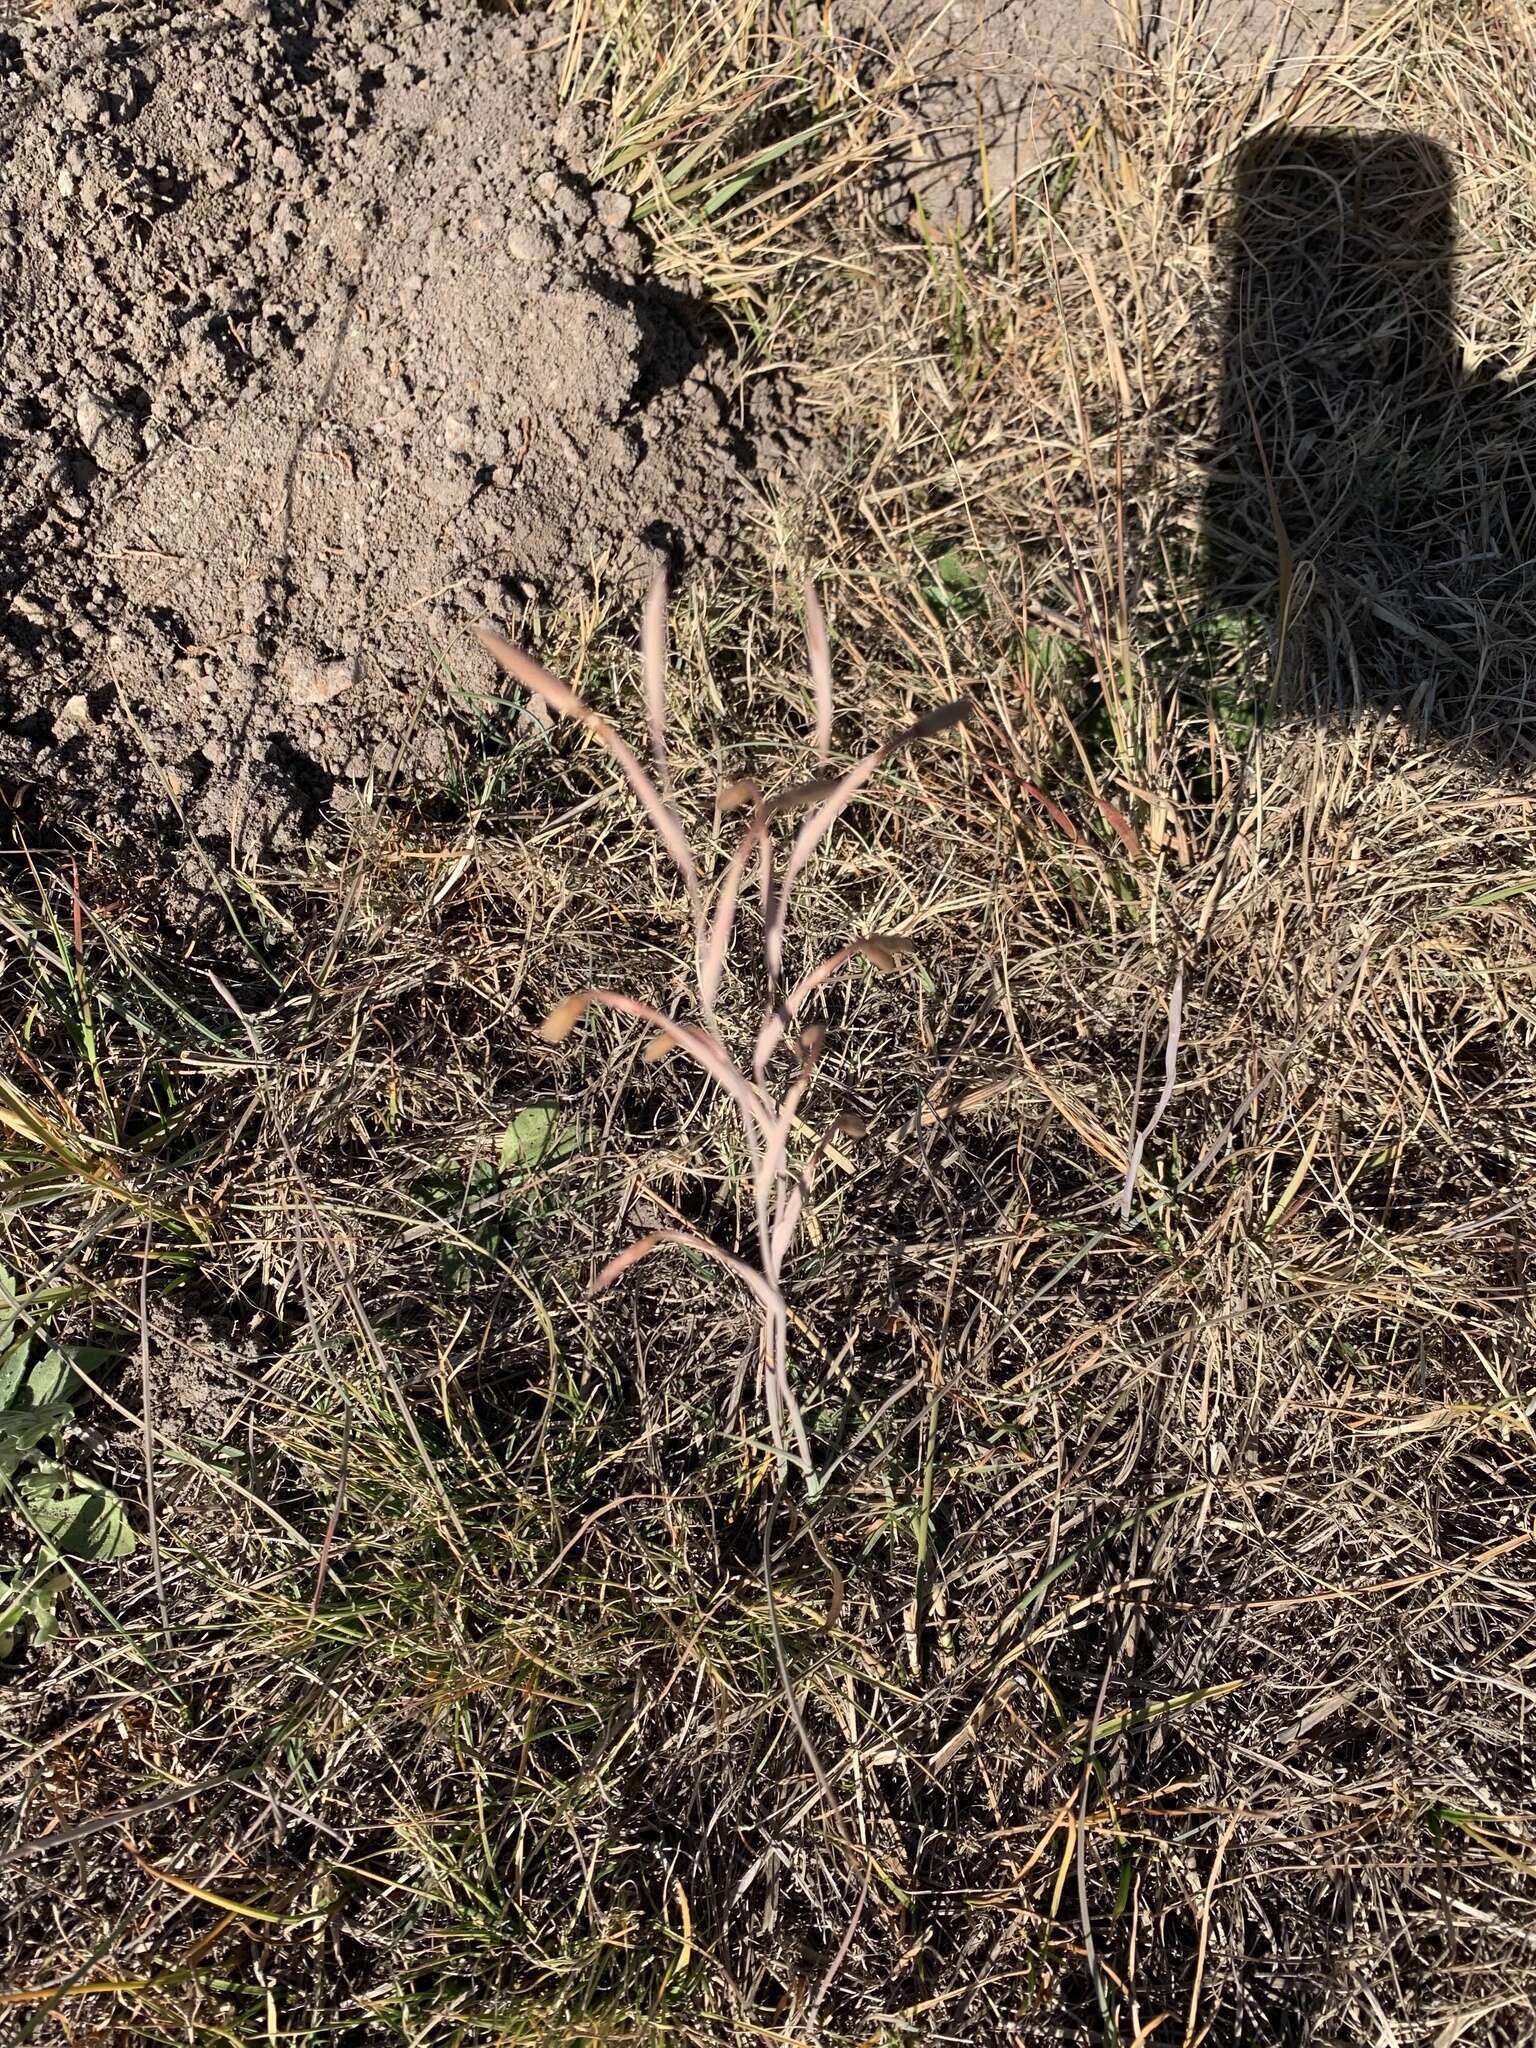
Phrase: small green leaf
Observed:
(1506, 892)
(953, 570)
(36, 1385)
(536, 1137)
(23, 1429)
(1227, 629)
(13, 1368)
(32, 1406)
(7, 1312)
(37, 1605)
(955, 583)
(49, 1379)
(77, 1515)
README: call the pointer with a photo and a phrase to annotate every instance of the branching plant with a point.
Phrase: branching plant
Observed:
(769, 1087)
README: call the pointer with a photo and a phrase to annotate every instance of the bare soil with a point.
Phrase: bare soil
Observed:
(317, 344)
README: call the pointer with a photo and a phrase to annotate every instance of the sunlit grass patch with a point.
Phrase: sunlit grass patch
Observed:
(1161, 1326)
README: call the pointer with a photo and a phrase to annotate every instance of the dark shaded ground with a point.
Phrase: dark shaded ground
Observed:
(1368, 497)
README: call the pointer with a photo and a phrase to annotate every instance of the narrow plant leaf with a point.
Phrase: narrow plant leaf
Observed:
(37, 1605)
(1503, 893)
(884, 951)
(821, 671)
(1152, 1710)
(826, 814)
(565, 1016)
(756, 1283)
(723, 190)
(560, 697)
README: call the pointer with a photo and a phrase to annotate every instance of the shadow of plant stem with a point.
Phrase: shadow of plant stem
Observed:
(769, 1107)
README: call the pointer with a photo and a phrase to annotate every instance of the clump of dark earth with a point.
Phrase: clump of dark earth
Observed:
(317, 344)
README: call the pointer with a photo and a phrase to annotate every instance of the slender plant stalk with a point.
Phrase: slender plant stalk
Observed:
(770, 1090)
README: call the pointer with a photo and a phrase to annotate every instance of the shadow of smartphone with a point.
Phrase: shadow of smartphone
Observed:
(1365, 498)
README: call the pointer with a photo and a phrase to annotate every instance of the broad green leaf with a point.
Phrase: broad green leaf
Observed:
(1052, 652)
(535, 1137)
(22, 1385)
(79, 1516)
(49, 1379)
(1227, 629)
(956, 583)
(952, 569)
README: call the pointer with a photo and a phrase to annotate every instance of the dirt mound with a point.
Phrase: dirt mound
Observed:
(316, 343)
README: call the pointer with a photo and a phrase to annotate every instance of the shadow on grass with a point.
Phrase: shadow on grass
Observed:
(1368, 499)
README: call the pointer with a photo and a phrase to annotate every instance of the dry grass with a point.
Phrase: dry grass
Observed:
(1163, 1620)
